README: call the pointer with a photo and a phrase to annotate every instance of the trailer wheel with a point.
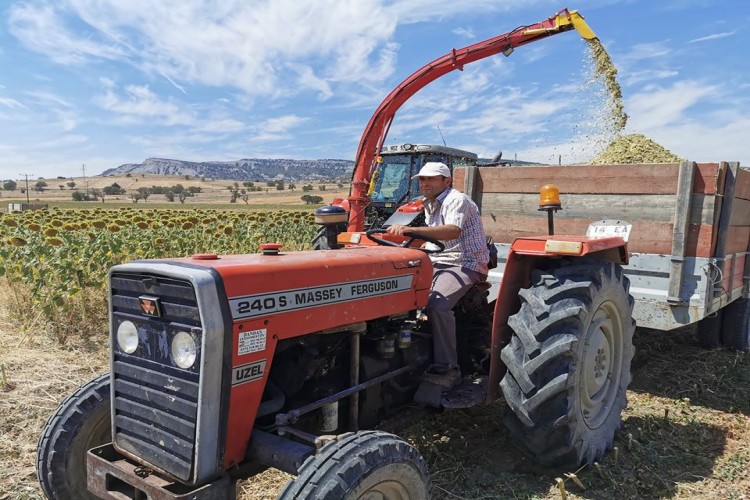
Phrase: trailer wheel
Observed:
(708, 330)
(367, 464)
(569, 362)
(735, 331)
(81, 422)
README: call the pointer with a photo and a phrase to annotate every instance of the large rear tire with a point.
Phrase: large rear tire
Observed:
(735, 330)
(362, 465)
(569, 362)
(81, 422)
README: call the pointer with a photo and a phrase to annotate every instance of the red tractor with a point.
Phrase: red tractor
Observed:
(223, 366)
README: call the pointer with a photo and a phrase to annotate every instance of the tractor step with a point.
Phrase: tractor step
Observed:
(470, 392)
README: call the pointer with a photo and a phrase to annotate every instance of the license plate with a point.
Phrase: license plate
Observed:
(609, 228)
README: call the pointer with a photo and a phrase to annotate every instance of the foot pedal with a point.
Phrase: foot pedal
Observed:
(466, 394)
(429, 394)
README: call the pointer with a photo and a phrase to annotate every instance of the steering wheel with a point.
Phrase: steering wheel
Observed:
(412, 237)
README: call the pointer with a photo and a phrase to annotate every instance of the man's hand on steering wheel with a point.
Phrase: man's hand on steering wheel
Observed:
(401, 230)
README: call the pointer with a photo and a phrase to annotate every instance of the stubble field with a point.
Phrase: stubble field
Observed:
(685, 433)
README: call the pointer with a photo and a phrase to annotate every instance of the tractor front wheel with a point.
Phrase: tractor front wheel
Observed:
(81, 422)
(568, 363)
(366, 464)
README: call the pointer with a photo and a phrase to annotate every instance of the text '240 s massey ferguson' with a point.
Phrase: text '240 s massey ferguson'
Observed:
(222, 366)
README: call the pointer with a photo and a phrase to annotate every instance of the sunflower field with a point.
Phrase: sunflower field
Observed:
(55, 261)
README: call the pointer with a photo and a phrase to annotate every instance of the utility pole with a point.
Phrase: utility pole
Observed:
(27, 187)
(83, 169)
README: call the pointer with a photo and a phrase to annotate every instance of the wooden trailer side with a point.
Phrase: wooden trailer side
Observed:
(689, 239)
(733, 235)
(644, 195)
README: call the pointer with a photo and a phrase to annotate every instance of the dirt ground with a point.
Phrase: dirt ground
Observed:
(684, 435)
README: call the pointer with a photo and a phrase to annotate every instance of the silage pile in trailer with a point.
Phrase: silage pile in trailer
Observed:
(634, 148)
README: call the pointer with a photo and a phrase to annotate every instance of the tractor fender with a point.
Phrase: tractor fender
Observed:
(523, 256)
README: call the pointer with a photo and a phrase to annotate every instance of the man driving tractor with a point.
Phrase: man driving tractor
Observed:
(453, 218)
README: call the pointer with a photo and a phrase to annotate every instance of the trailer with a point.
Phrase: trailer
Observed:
(687, 227)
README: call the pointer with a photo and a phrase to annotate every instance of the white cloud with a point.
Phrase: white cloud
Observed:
(715, 36)
(415, 11)
(11, 103)
(41, 29)
(641, 51)
(656, 106)
(634, 78)
(234, 43)
(276, 129)
(464, 33)
(138, 104)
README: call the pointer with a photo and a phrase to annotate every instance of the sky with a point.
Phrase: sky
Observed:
(88, 85)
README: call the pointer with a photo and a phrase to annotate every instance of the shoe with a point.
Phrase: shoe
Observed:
(447, 378)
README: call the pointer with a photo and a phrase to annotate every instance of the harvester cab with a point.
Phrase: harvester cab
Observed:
(390, 188)
(392, 184)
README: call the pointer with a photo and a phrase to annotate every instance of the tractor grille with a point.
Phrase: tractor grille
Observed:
(155, 403)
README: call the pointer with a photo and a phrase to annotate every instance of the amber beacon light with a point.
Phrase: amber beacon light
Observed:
(549, 201)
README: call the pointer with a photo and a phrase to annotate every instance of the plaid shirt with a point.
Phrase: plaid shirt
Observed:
(469, 250)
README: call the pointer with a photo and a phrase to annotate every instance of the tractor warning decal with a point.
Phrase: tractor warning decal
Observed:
(252, 341)
(301, 298)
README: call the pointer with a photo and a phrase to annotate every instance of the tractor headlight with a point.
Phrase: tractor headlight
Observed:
(127, 337)
(184, 350)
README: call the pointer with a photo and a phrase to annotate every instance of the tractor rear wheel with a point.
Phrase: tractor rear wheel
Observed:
(569, 362)
(366, 464)
(735, 330)
(81, 422)
(320, 241)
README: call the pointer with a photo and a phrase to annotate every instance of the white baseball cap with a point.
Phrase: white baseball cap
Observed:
(433, 169)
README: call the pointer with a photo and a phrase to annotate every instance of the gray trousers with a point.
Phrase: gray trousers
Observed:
(449, 284)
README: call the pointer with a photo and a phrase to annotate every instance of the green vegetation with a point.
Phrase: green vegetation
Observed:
(56, 261)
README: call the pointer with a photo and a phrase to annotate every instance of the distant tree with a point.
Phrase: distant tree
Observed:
(307, 187)
(136, 196)
(187, 177)
(322, 187)
(235, 195)
(71, 184)
(246, 198)
(61, 186)
(144, 192)
(128, 175)
(291, 186)
(169, 195)
(10, 185)
(39, 186)
(193, 190)
(339, 185)
(311, 200)
(184, 194)
(270, 183)
(248, 184)
(113, 189)
(279, 185)
(79, 196)
(97, 194)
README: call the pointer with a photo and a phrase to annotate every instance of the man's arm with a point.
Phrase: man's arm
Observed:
(444, 233)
